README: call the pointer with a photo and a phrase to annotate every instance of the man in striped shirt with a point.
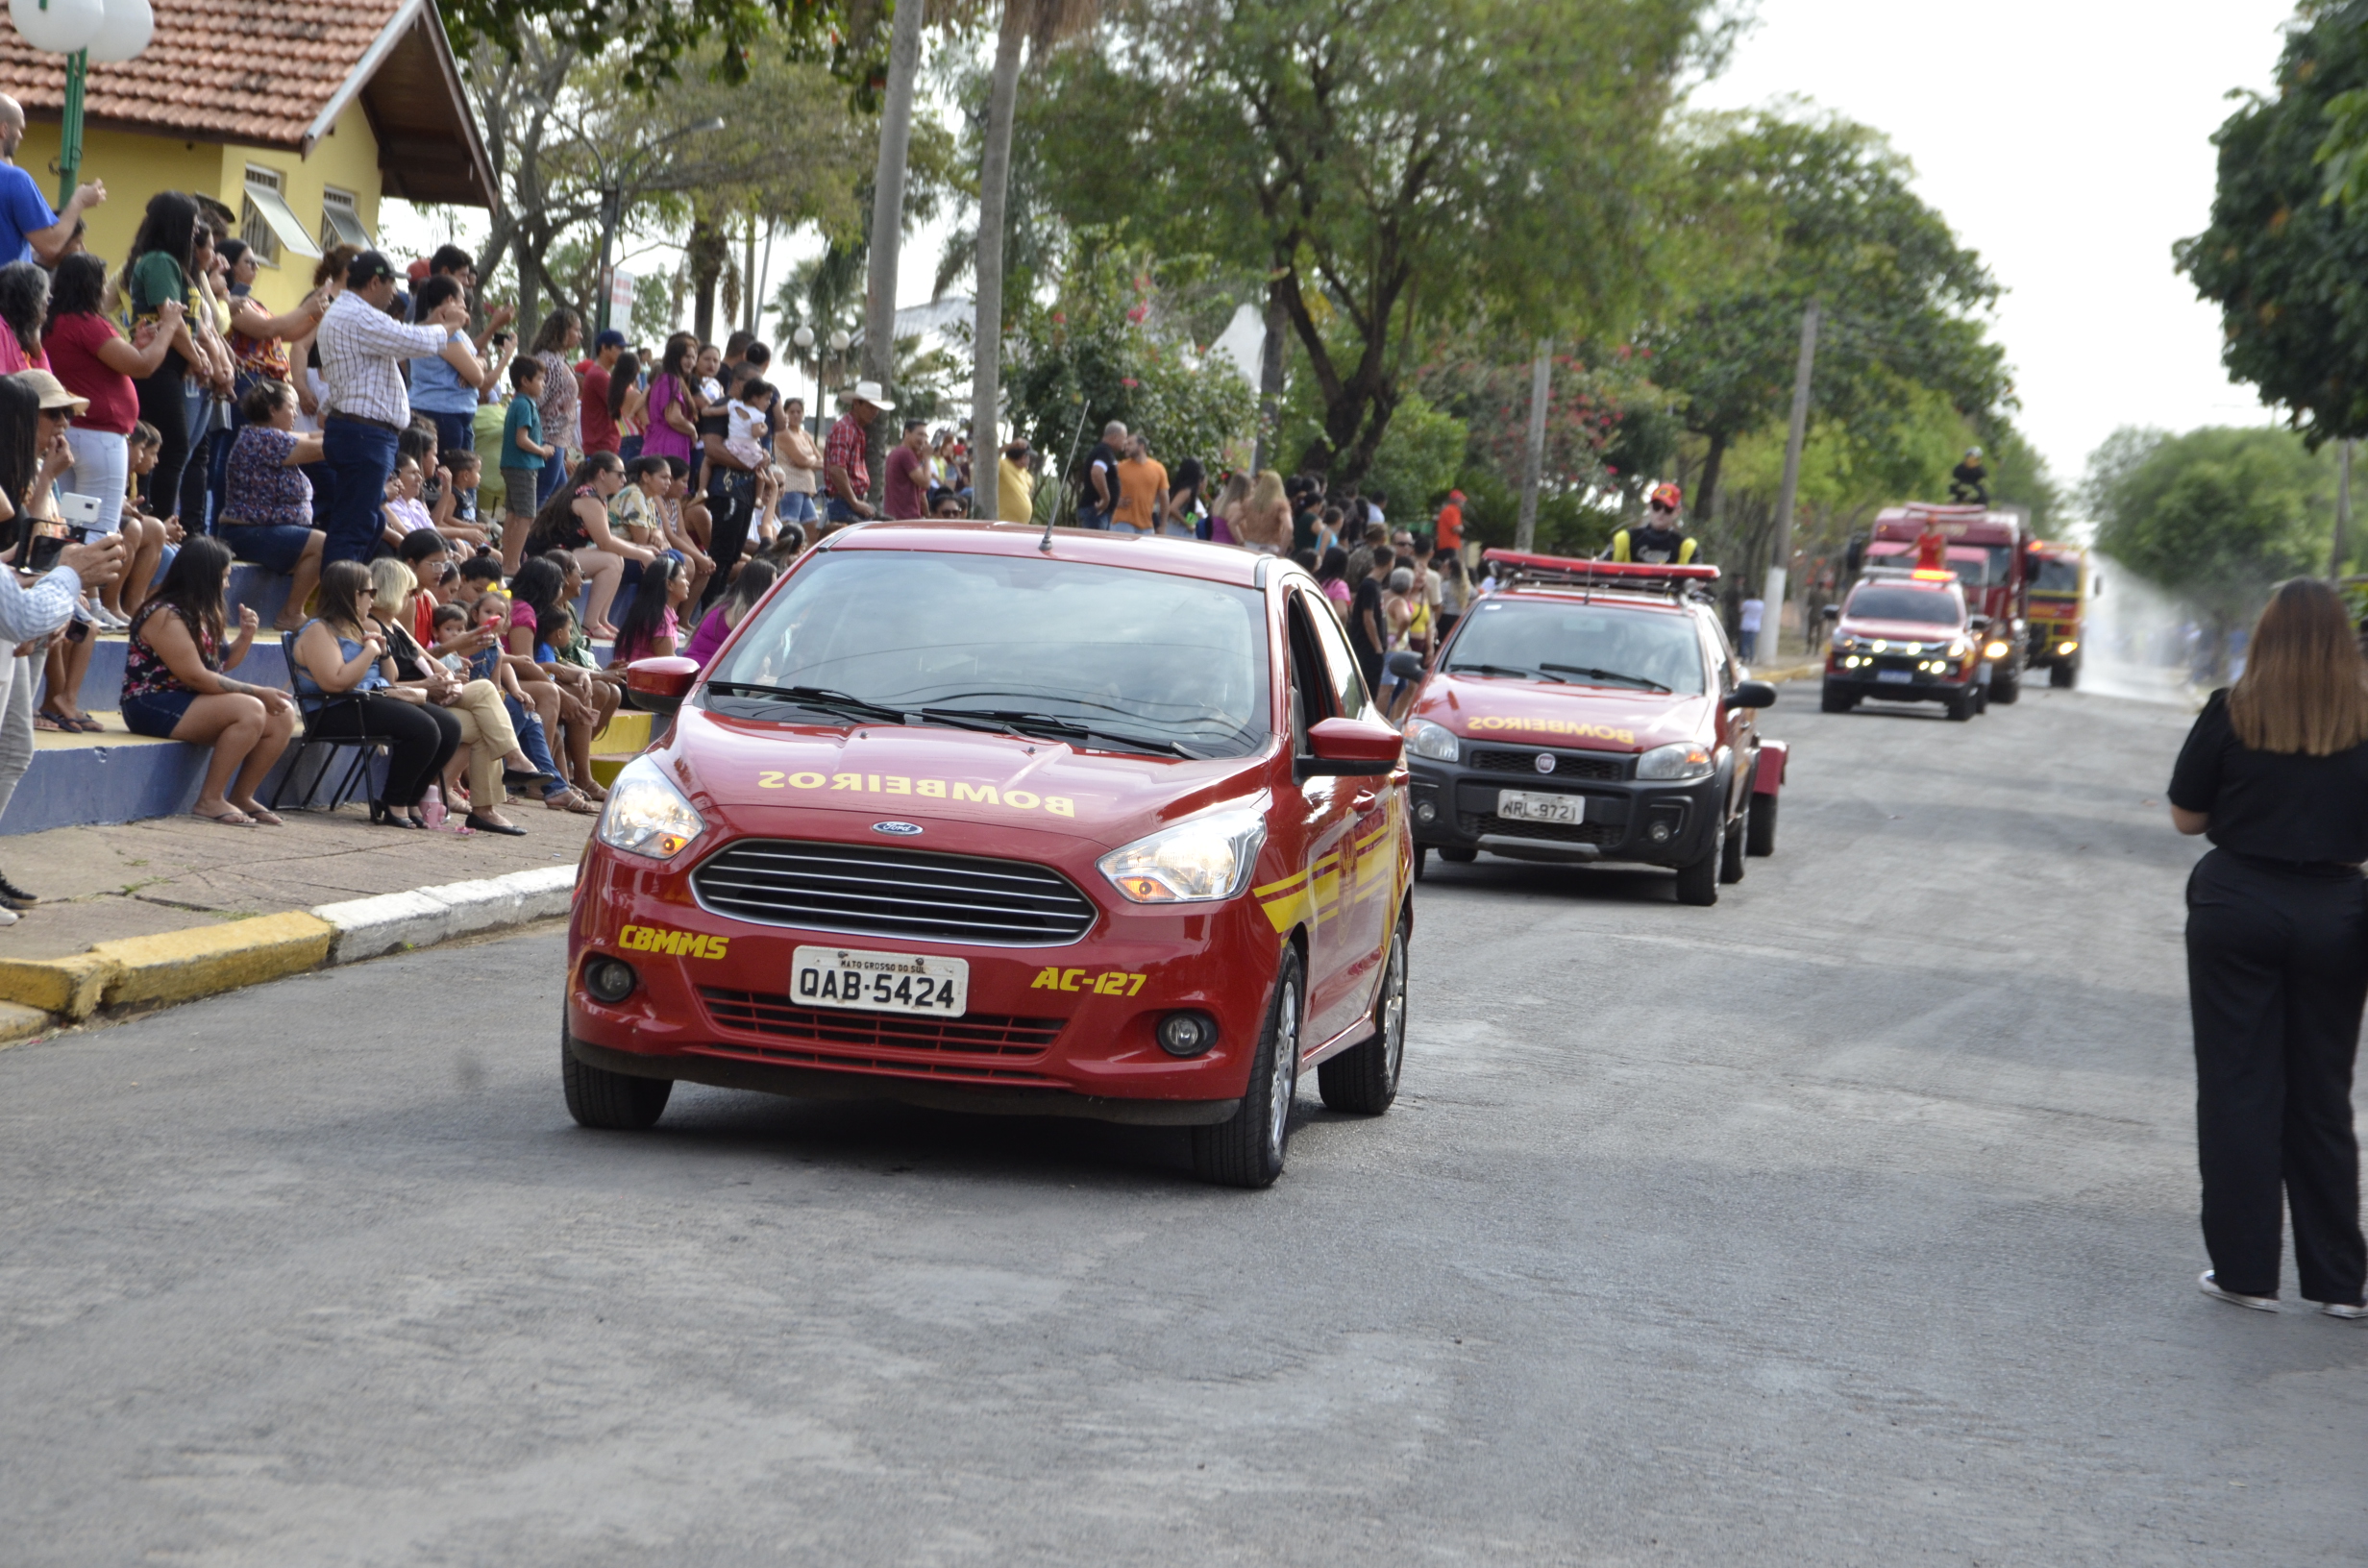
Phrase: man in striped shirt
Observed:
(366, 407)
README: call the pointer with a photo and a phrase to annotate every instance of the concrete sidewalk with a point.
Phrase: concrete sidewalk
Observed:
(171, 873)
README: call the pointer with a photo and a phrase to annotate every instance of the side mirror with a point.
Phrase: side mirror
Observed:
(1831, 612)
(1405, 664)
(660, 685)
(1351, 748)
(1750, 694)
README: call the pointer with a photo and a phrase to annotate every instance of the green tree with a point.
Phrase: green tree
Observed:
(2285, 266)
(1386, 165)
(2216, 515)
(655, 35)
(1790, 209)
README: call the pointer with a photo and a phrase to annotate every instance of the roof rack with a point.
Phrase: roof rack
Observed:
(1521, 569)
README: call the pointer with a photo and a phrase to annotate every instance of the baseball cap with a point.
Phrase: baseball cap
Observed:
(51, 391)
(610, 338)
(1670, 496)
(368, 268)
(419, 270)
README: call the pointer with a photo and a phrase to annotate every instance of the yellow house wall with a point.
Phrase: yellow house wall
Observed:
(136, 166)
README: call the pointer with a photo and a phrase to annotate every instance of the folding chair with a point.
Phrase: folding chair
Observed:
(363, 744)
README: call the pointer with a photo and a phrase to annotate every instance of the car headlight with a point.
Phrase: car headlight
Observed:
(1960, 648)
(1425, 739)
(1995, 650)
(1195, 862)
(646, 815)
(1680, 759)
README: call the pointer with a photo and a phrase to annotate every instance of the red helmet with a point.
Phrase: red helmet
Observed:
(1670, 496)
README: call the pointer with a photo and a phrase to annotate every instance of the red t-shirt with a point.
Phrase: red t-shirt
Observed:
(73, 350)
(1450, 534)
(908, 491)
(600, 431)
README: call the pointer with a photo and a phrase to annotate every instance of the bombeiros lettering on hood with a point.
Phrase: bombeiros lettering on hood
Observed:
(959, 790)
(1555, 726)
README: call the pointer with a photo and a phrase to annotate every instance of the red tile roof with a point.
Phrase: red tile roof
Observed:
(257, 71)
(262, 72)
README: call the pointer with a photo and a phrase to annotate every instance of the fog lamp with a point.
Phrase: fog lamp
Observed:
(1426, 813)
(1186, 1034)
(609, 979)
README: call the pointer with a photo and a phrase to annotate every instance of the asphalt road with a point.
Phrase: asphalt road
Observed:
(1850, 1221)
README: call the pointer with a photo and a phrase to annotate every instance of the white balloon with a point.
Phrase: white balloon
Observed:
(126, 31)
(61, 27)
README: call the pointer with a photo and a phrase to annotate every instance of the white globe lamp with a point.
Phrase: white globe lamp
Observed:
(125, 32)
(61, 27)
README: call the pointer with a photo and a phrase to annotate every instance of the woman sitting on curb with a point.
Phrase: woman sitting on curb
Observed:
(173, 685)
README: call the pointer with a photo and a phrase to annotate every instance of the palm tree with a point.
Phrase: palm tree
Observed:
(896, 141)
(1048, 22)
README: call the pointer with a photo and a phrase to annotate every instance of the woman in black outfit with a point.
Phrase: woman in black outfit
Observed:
(2276, 773)
(340, 656)
(157, 270)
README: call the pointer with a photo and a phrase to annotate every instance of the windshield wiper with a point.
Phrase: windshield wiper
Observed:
(1593, 674)
(1019, 722)
(821, 698)
(1513, 669)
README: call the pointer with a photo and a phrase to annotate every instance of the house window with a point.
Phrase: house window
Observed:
(341, 221)
(266, 222)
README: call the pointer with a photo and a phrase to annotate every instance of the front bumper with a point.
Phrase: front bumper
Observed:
(1895, 677)
(1623, 819)
(1050, 1030)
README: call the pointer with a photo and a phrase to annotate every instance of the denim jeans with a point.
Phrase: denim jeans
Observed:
(360, 458)
(797, 506)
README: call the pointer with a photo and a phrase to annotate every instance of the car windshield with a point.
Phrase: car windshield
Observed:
(2056, 577)
(1610, 644)
(1920, 604)
(1172, 661)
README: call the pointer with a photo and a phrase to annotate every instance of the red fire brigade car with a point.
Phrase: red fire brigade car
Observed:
(999, 820)
(1594, 711)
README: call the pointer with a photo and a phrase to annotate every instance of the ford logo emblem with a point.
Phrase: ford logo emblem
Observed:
(901, 830)
(1545, 761)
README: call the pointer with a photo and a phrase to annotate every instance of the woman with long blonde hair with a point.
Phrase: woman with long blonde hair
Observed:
(2276, 773)
(1263, 525)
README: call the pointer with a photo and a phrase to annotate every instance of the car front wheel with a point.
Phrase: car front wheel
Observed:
(612, 1101)
(1698, 883)
(1247, 1148)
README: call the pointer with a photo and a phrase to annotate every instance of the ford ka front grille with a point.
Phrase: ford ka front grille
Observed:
(881, 891)
(981, 1034)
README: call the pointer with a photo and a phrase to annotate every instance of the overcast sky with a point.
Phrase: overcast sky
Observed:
(2066, 140)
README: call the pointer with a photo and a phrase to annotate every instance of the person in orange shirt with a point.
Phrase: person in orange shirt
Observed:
(1932, 547)
(1143, 492)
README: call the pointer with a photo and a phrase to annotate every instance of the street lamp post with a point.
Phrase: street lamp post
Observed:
(88, 33)
(612, 202)
(803, 337)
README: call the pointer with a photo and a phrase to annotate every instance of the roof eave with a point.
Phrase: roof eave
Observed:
(384, 44)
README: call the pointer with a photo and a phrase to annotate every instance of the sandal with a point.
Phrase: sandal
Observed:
(54, 722)
(570, 800)
(230, 818)
(261, 818)
(88, 726)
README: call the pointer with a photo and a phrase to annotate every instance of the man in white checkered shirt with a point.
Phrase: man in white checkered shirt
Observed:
(366, 407)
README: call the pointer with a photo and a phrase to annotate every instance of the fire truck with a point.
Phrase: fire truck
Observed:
(2061, 585)
(1988, 548)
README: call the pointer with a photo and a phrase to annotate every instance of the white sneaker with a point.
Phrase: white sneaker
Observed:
(8, 917)
(2210, 1287)
(2338, 1309)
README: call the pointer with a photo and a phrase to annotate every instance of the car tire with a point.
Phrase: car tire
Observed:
(1246, 1149)
(1422, 859)
(1362, 1081)
(2064, 676)
(1731, 866)
(1960, 707)
(1454, 856)
(610, 1101)
(2005, 684)
(1833, 699)
(1761, 840)
(1698, 883)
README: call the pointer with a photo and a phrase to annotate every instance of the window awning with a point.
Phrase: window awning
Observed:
(282, 219)
(348, 225)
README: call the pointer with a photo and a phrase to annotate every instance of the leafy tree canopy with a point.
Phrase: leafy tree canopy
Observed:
(1387, 165)
(2288, 270)
(657, 36)
(1782, 209)
(2216, 515)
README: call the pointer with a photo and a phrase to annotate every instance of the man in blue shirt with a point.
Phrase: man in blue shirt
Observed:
(29, 231)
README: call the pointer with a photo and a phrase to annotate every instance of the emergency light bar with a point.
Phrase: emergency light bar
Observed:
(1517, 567)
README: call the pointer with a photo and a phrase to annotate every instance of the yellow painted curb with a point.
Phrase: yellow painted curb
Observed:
(180, 966)
(73, 986)
(21, 1023)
